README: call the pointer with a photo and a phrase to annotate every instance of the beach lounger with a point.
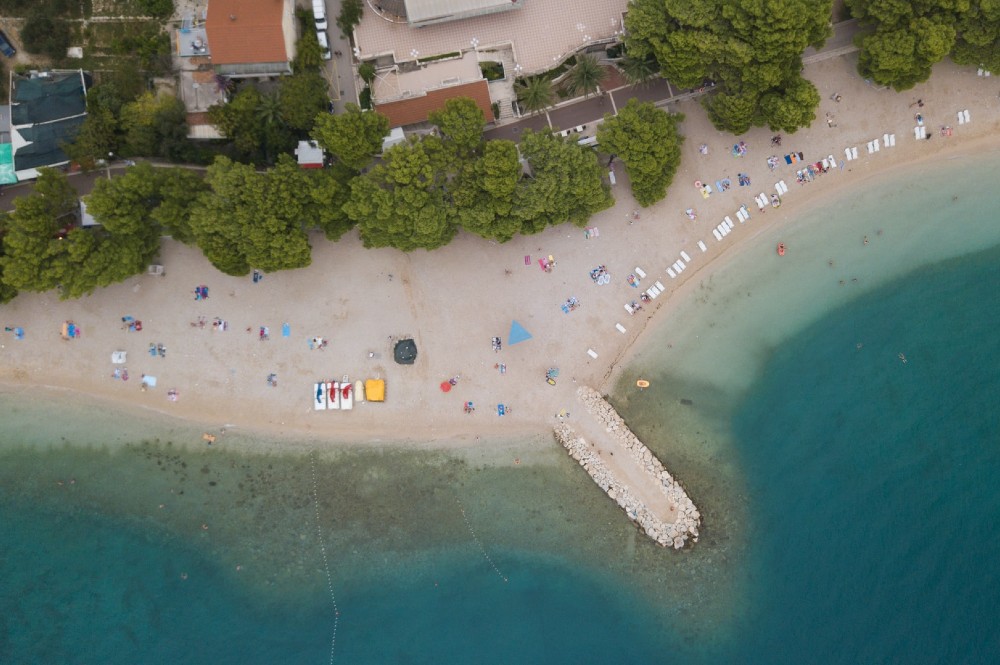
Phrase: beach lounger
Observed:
(660, 286)
(333, 395)
(640, 273)
(673, 275)
(675, 267)
(590, 352)
(680, 265)
(968, 118)
(620, 328)
(728, 220)
(319, 396)
(876, 144)
(629, 308)
(717, 233)
(684, 255)
(847, 154)
(611, 177)
(871, 147)
(652, 293)
(702, 246)
(739, 215)
(923, 132)
(854, 152)
(961, 118)
(892, 140)
(346, 395)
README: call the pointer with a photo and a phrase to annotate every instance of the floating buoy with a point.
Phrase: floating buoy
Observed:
(781, 249)
(642, 383)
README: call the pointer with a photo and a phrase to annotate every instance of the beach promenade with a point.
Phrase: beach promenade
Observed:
(454, 300)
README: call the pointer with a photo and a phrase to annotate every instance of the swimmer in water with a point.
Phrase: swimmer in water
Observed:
(866, 240)
(903, 358)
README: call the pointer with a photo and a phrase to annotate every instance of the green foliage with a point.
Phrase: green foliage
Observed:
(791, 108)
(978, 41)
(908, 38)
(7, 292)
(485, 195)
(586, 76)
(255, 125)
(751, 49)
(647, 141)
(638, 71)
(351, 12)
(308, 54)
(492, 71)
(98, 135)
(154, 126)
(535, 94)
(303, 96)
(365, 98)
(179, 190)
(44, 248)
(252, 220)
(44, 35)
(461, 122)
(328, 190)
(353, 137)
(157, 8)
(401, 202)
(565, 185)
(367, 71)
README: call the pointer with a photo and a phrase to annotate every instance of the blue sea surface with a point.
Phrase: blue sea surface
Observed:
(874, 481)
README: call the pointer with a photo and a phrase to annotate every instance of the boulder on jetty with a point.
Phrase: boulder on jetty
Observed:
(687, 518)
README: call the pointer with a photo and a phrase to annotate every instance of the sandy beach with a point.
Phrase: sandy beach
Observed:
(454, 300)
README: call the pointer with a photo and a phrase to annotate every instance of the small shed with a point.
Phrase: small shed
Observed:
(310, 155)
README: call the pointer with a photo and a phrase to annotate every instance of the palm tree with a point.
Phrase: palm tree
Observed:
(586, 76)
(637, 71)
(269, 110)
(535, 94)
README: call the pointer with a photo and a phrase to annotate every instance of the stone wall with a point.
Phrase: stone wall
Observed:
(687, 518)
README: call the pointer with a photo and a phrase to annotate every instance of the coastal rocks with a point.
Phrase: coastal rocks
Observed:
(687, 519)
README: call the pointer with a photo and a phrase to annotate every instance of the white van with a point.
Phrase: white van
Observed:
(319, 13)
(324, 44)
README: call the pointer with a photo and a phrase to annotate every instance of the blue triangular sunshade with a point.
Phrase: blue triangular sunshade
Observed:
(517, 333)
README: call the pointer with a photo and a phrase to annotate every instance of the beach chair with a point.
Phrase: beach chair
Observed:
(892, 140)
(673, 275)
(702, 246)
(717, 233)
(592, 353)
(620, 328)
(966, 115)
(629, 308)
(684, 255)
(728, 221)
(660, 286)
(639, 271)
(961, 118)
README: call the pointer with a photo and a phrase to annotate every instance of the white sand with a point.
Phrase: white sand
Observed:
(453, 300)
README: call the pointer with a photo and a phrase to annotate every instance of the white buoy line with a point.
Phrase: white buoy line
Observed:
(482, 548)
(326, 562)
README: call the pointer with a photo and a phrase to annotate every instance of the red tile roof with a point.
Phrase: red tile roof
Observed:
(254, 35)
(416, 109)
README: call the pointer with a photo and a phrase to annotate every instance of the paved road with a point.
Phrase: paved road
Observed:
(338, 70)
(588, 111)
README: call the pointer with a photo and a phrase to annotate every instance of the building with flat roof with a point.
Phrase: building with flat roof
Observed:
(250, 38)
(427, 12)
(46, 111)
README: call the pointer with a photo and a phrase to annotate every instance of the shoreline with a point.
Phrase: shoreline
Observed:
(444, 299)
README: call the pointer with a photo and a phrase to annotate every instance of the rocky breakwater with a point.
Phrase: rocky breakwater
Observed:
(672, 524)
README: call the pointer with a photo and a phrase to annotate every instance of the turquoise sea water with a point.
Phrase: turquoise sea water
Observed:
(849, 501)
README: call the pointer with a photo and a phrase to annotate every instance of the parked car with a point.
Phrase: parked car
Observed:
(324, 44)
(6, 47)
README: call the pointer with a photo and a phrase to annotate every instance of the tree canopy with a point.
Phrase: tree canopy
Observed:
(751, 49)
(908, 38)
(461, 122)
(647, 141)
(252, 220)
(353, 137)
(978, 41)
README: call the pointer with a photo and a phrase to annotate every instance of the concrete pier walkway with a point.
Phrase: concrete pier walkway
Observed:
(629, 473)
